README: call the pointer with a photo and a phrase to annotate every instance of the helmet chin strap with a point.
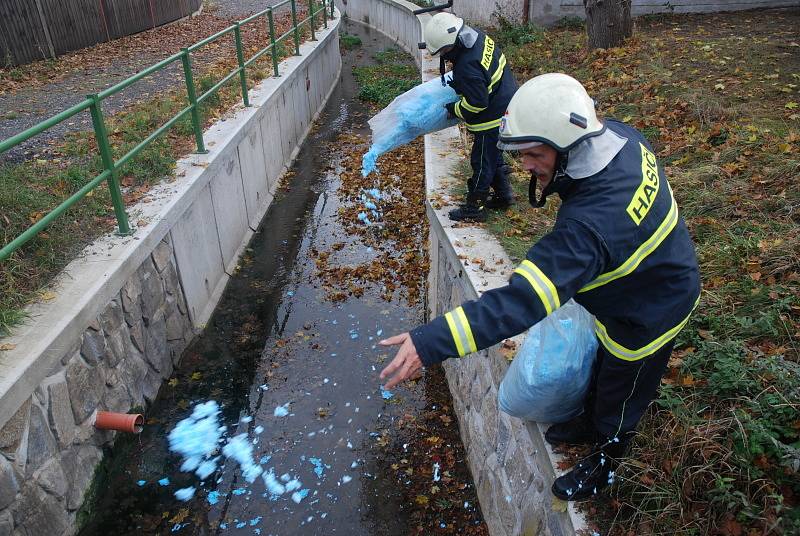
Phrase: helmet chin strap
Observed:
(442, 67)
(557, 180)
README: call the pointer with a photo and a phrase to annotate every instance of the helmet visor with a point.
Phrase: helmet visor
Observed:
(517, 145)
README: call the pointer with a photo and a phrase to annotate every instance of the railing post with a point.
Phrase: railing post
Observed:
(197, 125)
(311, 19)
(272, 42)
(324, 14)
(108, 163)
(237, 33)
(296, 29)
(332, 5)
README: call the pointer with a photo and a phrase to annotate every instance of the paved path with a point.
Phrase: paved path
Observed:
(28, 106)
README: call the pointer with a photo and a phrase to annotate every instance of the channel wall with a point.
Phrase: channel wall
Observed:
(120, 315)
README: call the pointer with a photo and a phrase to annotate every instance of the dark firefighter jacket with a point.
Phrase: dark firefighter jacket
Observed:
(618, 247)
(484, 82)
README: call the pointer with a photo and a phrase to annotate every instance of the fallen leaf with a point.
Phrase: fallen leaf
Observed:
(49, 295)
(5, 347)
(558, 505)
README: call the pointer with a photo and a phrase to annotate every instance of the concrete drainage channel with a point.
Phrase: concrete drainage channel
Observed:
(287, 334)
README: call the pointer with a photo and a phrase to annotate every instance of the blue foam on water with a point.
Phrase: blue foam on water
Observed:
(196, 437)
(206, 468)
(241, 450)
(255, 521)
(282, 411)
(298, 496)
(319, 467)
(293, 484)
(213, 497)
(141, 483)
(164, 481)
(184, 494)
(386, 394)
(273, 486)
(258, 429)
(264, 459)
(239, 491)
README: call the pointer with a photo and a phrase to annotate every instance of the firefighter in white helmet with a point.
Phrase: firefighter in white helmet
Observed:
(618, 247)
(485, 84)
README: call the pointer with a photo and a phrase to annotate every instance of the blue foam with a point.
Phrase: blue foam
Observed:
(184, 494)
(241, 450)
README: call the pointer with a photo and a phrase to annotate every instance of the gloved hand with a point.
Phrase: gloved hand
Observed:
(451, 107)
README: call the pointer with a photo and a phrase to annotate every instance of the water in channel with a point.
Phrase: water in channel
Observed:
(380, 465)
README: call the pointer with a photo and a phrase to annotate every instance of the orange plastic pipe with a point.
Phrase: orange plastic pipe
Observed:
(121, 422)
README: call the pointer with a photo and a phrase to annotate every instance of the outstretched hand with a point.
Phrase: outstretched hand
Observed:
(405, 365)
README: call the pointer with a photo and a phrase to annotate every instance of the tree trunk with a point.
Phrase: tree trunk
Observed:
(608, 22)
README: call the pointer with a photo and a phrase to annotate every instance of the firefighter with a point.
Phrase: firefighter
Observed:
(485, 85)
(618, 247)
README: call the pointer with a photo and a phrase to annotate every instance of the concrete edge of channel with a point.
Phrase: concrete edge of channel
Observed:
(89, 282)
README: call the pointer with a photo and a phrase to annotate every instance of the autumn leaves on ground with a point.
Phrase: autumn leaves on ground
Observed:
(717, 95)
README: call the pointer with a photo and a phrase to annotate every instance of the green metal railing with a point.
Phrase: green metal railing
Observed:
(93, 103)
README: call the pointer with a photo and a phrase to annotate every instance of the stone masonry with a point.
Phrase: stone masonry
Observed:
(49, 448)
(510, 470)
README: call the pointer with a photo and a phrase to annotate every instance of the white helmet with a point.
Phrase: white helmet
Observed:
(551, 108)
(441, 31)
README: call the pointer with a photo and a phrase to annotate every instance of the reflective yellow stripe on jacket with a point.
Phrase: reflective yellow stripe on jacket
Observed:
(467, 106)
(541, 284)
(621, 352)
(641, 253)
(498, 73)
(477, 127)
(461, 332)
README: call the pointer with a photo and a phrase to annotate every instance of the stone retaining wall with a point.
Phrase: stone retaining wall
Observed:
(510, 463)
(127, 308)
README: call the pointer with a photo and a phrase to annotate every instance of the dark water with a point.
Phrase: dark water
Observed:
(274, 340)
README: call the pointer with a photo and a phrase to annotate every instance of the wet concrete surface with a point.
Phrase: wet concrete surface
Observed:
(276, 340)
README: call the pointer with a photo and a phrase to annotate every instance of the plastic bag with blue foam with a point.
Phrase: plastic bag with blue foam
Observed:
(548, 378)
(418, 111)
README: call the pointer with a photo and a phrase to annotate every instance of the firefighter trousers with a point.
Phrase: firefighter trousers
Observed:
(487, 166)
(620, 391)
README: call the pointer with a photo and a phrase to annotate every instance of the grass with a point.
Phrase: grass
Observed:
(719, 451)
(30, 189)
(348, 41)
(394, 73)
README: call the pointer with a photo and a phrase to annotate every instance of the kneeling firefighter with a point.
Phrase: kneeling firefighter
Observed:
(618, 247)
(485, 84)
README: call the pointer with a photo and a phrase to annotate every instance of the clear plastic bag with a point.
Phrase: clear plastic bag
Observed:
(549, 376)
(417, 112)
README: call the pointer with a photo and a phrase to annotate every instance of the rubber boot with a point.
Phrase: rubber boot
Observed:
(592, 473)
(578, 431)
(503, 196)
(473, 210)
